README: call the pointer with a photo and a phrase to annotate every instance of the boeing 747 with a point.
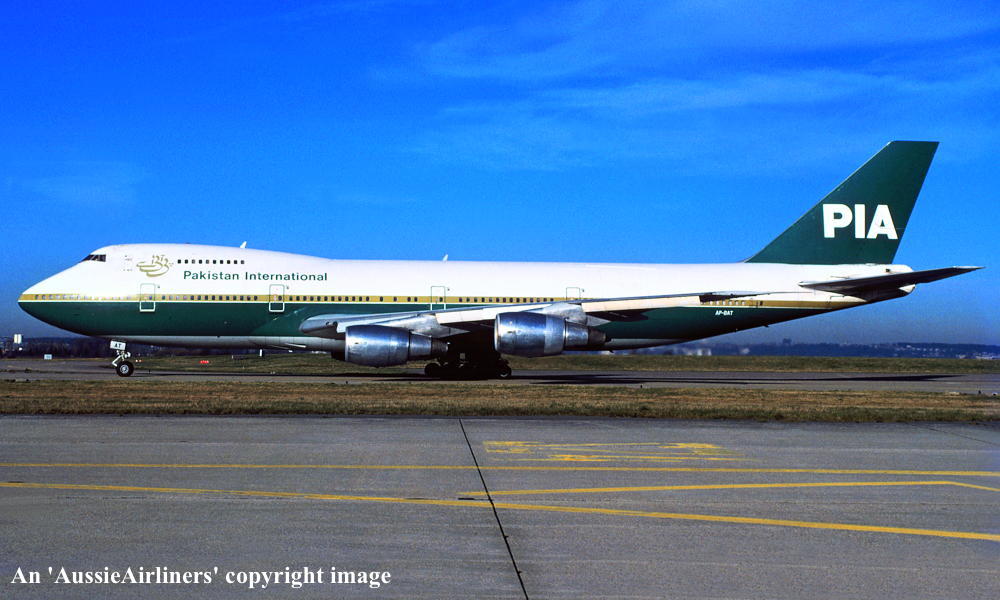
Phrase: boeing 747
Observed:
(464, 316)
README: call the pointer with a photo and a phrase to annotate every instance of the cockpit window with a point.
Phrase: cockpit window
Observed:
(97, 257)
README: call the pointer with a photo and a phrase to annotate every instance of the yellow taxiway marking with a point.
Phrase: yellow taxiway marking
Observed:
(721, 486)
(266, 494)
(756, 521)
(609, 451)
(571, 444)
(527, 507)
(976, 487)
(507, 468)
(620, 457)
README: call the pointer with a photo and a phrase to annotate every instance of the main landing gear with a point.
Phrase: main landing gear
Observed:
(122, 366)
(475, 366)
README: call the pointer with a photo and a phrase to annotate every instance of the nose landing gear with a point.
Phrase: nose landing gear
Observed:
(122, 366)
(124, 369)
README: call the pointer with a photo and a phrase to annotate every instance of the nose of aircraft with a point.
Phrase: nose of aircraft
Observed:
(46, 300)
(28, 301)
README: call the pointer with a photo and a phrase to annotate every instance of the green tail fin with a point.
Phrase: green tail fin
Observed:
(863, 218)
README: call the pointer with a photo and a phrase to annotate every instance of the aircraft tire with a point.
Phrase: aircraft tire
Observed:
(125, 369)
(433, 370)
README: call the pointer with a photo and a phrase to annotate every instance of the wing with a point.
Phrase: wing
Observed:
(456, 321)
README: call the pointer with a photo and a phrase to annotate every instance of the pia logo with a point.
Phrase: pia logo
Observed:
(840, 216)
(156, 266)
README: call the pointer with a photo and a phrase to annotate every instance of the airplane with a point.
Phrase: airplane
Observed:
(465, 316)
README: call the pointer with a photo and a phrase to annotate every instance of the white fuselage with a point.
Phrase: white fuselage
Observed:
(221, 296)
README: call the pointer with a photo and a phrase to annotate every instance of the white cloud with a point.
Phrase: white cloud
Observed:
(604, 38)
(684, 83)
(88, 183)
(771, 120)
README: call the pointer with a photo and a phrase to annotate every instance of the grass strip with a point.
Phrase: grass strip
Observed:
(237, 398)
(322, 364)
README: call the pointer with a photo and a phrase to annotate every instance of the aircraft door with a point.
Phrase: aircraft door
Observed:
(147, 297)
(276, 298)
(439, 297)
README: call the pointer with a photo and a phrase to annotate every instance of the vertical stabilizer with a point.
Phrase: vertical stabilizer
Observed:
(863, 218)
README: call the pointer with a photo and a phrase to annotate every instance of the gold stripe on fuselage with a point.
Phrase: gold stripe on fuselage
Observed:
(839, 302)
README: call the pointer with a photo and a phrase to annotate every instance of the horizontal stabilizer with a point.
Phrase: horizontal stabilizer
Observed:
(891, 281)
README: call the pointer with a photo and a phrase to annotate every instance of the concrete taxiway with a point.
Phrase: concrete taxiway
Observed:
(977, 383)
(505, 508)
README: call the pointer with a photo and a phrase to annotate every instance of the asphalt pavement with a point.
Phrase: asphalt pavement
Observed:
(500, 507)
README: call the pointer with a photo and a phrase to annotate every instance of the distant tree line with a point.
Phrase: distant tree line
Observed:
(88, 347)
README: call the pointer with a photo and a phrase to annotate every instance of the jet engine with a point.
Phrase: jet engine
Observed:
(534, 334)
(381, 346)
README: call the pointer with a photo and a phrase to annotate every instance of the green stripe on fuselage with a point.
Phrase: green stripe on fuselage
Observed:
(695, 322)
(179, 318)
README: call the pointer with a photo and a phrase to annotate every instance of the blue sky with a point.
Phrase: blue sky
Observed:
(668, 131)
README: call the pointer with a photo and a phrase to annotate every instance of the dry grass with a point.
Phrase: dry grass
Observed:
(787, 364)
(228, 398)
(322, 364)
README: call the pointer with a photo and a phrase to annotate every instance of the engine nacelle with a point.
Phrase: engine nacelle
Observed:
(535, 334)
(381, 346)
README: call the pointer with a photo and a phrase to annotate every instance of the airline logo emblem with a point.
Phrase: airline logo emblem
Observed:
(840, 216)
(154, 267)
